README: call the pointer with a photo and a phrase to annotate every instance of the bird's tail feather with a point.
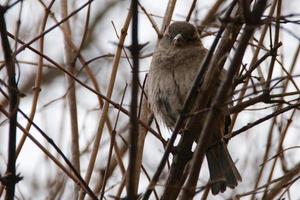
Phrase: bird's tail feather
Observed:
(223, 172)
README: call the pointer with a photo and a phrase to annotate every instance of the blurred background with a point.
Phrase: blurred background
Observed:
(88, 47)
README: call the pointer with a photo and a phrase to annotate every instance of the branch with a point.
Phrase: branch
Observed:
(11, 178)
(132, 180)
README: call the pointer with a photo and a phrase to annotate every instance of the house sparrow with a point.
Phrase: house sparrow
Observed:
(174, 66)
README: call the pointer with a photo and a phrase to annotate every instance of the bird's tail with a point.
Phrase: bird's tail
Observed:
(223, 172)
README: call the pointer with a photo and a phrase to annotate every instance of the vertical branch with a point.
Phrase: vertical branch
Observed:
(188, 17)
(132, 175)
(38, 80)
(89, 73)
(144, 116)
(276, 40)
(11, 178)
(70, 65)
(168, 15)
(112, 141)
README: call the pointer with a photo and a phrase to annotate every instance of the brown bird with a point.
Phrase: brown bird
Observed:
(174, 66)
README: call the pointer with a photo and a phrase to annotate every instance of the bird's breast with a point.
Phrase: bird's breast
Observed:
(169, 83)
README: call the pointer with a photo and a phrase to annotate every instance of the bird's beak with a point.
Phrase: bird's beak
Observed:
(178, 40)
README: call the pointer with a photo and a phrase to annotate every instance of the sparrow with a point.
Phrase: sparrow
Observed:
(174, 66)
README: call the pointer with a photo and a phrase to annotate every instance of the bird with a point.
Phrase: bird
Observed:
(175, 63)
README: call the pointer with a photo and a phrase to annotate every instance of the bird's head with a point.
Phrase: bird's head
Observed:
(181, 34)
